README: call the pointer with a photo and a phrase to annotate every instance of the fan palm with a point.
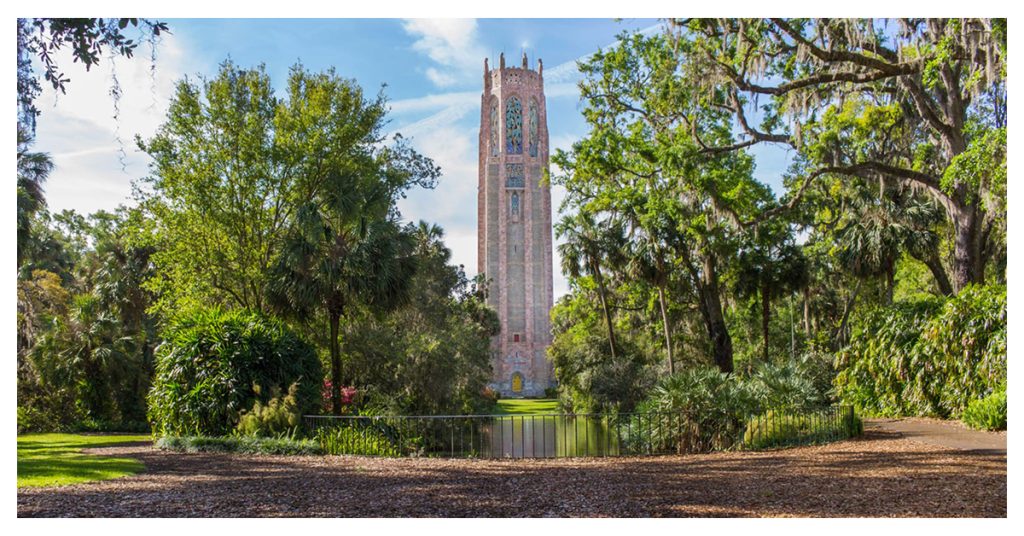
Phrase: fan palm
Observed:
(33, 170)
(585, 248)
(331, 261)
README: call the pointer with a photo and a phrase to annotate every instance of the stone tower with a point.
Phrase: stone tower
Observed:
(514, 225)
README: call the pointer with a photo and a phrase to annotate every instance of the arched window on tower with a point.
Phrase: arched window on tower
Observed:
(514, 207)
(513, 126)
(495, 146)
(534, 143)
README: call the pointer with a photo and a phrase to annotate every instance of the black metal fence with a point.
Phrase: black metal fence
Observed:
(568, 435)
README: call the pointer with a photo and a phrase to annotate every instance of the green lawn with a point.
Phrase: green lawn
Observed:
(56, 459)
(526, 406)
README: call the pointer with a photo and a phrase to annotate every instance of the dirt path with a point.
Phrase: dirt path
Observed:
(949, 434)
(880, 475)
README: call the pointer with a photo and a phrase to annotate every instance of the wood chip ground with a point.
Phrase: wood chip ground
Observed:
(880, 475)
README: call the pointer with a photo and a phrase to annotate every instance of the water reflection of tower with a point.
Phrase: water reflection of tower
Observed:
(514, 225)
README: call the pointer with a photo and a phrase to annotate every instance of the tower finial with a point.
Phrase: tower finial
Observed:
(540, 67)
(524, 59)
(501, 60)
(485, 67)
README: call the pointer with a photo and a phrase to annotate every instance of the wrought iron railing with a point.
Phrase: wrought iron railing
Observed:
(573, 435)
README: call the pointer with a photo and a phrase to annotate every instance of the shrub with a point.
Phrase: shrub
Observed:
(926, 357)
(713, 407)
(32, 420)
(240, 445)
(210, 362)
(784, 386)
(987, 413)
(279, 416)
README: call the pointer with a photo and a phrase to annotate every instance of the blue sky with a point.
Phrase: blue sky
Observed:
(432, 68)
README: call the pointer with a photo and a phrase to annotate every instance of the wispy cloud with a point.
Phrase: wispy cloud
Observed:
(81, 133)
(453, 44)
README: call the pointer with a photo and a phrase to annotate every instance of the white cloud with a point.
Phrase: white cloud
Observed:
(435, 101)
(451, 43)
(81, 134)
(453, 203)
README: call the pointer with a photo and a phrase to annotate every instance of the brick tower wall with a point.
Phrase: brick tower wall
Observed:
(514, 225)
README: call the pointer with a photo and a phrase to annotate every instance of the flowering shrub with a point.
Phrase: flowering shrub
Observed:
(348, 397)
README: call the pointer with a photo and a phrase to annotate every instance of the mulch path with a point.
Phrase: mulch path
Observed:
(944, 433)
(879, 475)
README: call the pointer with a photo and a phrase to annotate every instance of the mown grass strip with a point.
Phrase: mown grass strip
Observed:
(526, 406)
(57, 460)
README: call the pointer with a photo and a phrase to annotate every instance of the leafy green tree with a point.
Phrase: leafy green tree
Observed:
(431, 355)
(586, 245)
(220, 194)
(903, 101)
(639, 164)
(344, 246)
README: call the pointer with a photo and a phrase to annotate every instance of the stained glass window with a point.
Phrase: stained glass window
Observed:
(534, 128)
(494, 129)
(515, 176)
(515, 208)
(513, 126)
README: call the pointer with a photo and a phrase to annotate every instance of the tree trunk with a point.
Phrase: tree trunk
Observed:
(765, 313)
(604, 307)
(968, 264)
(939, 273)
(807, 312)
(335, 321)
(890, 282)
(841, 332)
(668, 332)
(714, 320)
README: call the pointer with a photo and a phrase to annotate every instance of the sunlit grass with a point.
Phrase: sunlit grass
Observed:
(57, 460)
(526, 406)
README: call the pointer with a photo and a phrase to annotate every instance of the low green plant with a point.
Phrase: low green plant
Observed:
(367, 440)
(280, 415)
(926, 356)
(241, 445)
(987, 413)
(776, 428)
(32, 420)
(713, 408)
(785, 385)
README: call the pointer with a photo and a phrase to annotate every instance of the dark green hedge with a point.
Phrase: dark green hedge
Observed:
(211, 362)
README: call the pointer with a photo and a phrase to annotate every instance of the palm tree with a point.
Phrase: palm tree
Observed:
(331, 261)
(770, 268)
(880, 230)
(649, 261)
(586, 244)
(33, 170)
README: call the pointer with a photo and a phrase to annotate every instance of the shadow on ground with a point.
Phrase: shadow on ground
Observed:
(881, 475)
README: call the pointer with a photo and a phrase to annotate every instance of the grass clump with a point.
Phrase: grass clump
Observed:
(987, 413)
(277, 417)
